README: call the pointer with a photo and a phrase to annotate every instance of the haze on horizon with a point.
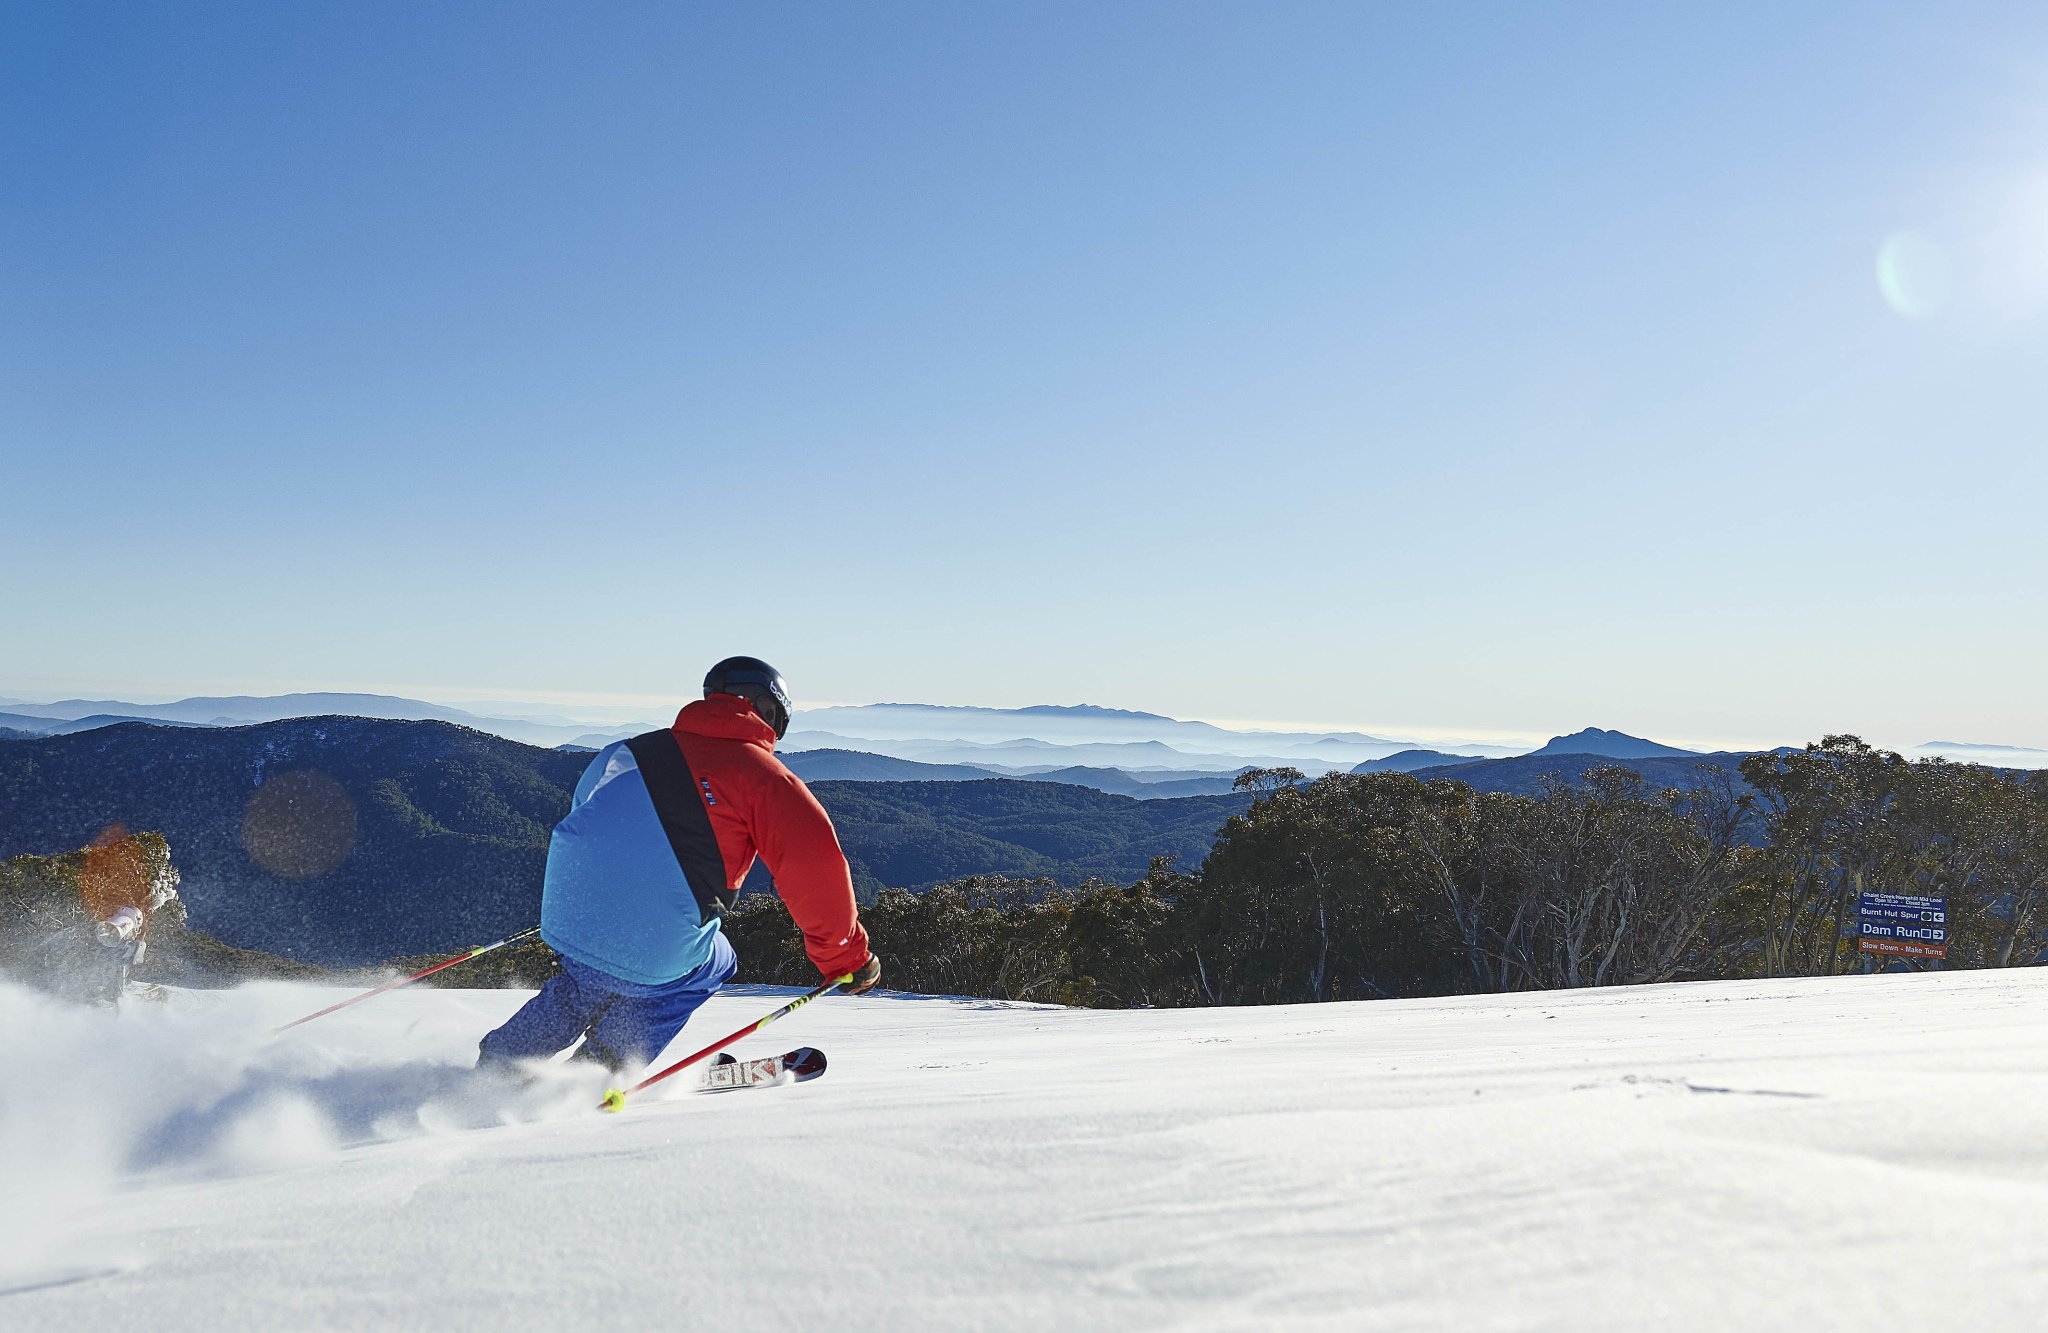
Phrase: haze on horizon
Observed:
(1315, 364)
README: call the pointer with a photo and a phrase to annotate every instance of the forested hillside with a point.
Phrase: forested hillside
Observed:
(1526, 774)
(1383, 885)
(915, 834)
(336, 840)
(345, 840)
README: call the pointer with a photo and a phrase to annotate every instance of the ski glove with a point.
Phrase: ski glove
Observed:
(865, 978)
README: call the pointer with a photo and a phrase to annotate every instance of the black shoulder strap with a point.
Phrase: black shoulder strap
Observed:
(683, 817)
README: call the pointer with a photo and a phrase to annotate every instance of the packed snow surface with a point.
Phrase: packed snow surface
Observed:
(1851, 1153)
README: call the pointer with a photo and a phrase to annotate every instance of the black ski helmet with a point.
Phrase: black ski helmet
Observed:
(756, 682)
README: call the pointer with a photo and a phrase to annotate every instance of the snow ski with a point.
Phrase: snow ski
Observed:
(802, 1064)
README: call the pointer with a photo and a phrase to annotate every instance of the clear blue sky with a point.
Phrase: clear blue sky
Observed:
(1431, 368)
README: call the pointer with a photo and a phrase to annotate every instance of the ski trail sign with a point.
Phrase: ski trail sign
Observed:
(1902, 924)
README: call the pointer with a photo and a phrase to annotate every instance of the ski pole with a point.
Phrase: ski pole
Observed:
(477, 952)
(615, 1098)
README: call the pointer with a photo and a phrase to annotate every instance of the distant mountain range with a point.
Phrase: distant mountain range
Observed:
(1593, 740)
(1992, 756)
(967, 735)
(1066, 723)
(1614, 744)
(1030, 754)
(233, 710)
(1107, 748)
(1150, 785)
(28, 724)
(1568, 758)
(1408, 761)
(244, 709)
(857, 766)
(1525, 774)
(1110, 749)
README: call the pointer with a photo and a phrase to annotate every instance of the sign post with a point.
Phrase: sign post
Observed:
(1902, 924)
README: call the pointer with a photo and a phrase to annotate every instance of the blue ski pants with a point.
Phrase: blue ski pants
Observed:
(623, 1024)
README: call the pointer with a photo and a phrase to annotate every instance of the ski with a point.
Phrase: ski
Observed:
(802, 1064)
(615, 1098)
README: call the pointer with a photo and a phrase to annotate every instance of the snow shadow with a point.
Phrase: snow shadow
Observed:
(91, 1099)
(49, 1283)
(278, 1117)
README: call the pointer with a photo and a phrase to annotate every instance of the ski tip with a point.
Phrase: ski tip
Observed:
(614, 1101)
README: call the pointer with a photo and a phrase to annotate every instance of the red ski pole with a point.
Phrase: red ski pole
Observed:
(615, 1098)
(480, 950)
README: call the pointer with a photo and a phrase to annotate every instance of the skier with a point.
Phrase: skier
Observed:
(85, 917)
(87, 960)
(661, 831)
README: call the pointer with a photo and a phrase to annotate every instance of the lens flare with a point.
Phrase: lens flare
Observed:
(1912, 273)
(299, 825)
(114, 874)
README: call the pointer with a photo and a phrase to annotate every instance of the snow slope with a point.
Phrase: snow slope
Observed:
(1853, 1153)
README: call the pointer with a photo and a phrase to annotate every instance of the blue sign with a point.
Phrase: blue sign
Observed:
(1902, 923)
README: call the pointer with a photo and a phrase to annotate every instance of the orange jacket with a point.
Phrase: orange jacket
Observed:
(758, 807)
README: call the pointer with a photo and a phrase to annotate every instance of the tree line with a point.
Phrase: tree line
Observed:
(1380, 885)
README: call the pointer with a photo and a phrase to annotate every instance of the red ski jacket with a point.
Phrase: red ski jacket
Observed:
(758, 807)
